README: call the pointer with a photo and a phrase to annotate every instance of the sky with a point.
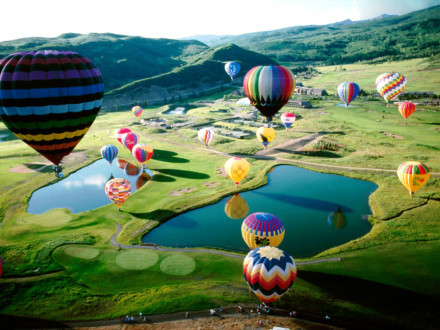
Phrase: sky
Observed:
(182, 18)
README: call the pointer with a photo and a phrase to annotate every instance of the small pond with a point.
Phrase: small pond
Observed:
(179, 110)
(319, 211)
(84, 189)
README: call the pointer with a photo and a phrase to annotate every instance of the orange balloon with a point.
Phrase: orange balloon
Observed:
(406, 109)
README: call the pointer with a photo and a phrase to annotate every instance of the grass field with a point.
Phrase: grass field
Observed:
(388, 277)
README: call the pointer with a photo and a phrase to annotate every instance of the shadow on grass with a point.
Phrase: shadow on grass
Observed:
(400, 308)
(184, 173)
(162, 178)
(317, 153)
(168, 156)
(16, 322)
(40, 168)
(159, 214)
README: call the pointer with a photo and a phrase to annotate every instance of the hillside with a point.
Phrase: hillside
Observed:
(414, 35)
(121, 59)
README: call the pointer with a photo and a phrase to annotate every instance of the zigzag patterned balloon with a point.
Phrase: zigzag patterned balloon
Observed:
(389, 85)
(270, 272)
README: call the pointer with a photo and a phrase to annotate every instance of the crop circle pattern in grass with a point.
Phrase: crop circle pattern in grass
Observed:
(81, 252)
(136, 259)
(178, 265)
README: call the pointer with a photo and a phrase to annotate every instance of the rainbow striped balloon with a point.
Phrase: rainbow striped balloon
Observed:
(142, 152)
(413, 175)
(261, 229)
(118, 190)
(389, 85)
(49, 99)
(137, 110)
(109, 152)
(269, 88)
(206, 135)
(347, 92)
(406, 109)
(269, 272)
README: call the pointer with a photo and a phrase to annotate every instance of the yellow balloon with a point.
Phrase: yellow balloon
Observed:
(265, 135)
(413, 175)
(237, 168)
(236, 207)
(261, 229)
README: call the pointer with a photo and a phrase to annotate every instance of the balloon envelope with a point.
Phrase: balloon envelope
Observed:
(142, 152)
(49, 99)
(118, 190)
(265, 135)
(389, 85)
(137, 110)
(232, 69)
(288, 118)
(261, 229)
(406, 109)
(109, 152)
(348, 91)
(129, 140)
(120, 133)
(237, 168)
(269, 272)
(131, 169)
(206, 135)
(236, 207)
(413, 175)
(269, 88)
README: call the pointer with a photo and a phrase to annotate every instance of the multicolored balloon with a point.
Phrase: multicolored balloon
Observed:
(288, 118)
(206, 135)
(261, 229)
(236, 207)
(406, 109)
(337, 219)
(347, 92)
(269, 88)
(269, 272)
(132, 170)
(129, 140)
(49, 99)
(237, 168)
(265, 135)
(109, 152)
(413, 175)
(120, 133)
(232, 69)
(137, 110)
(389, 85)
(121, 163)
(142, 152)
(118, 190)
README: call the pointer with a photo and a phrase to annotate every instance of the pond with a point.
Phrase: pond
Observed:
(318, 211)
(84, 190)
(179, 110)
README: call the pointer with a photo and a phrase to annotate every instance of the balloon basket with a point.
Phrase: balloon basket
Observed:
(58, 172)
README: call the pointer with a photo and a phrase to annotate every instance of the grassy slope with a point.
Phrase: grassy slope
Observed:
(408, 242)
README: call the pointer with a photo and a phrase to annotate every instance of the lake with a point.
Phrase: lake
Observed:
(307, 203)
(84, 190)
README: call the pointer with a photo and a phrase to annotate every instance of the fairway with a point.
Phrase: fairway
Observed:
(81, 252)
(136, 259)
(178, 265)
(52, 218)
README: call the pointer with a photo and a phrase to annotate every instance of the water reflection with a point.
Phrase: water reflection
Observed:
(337, 219)
(236, 207)
(84, 189)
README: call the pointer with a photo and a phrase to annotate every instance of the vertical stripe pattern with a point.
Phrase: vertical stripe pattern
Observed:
(413, 175)
(348, 91)
(260, 229)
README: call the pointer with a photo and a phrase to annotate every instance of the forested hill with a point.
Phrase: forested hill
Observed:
(121, 59)
(416, 34)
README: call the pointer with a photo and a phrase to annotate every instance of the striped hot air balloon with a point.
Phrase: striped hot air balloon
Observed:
(49, 99)
(269, 88)
(137, 110)
(206, 135)
(288, 118)
(413, 175)
(269, 272)
(389, 85)
(109, 152)
(265, 135)
(118, 190)
(347, 92)
(406, 109)
(130, 139)
(237, 168)
(261, 229)
(142, 152)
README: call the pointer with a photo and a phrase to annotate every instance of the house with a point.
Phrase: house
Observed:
(299, 104)
(310, 91)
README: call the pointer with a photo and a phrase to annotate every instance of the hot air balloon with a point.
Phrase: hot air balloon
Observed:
(265, 135)
(131, 169)
(1, 267)
(347, 92)
(120, 133)
(142, 152)
(137, 110)
(129, 140)
(236, 207)
(406, 109)
(109, 152)
(49, 99)
(206, 135)
(288, 118)
(237, 168)
(413, 175)
(232, 69)
(337, 219)
(389, 85)
(121, 163)
(269, 272)
(269, 88)
(261, 229)
(118, 190)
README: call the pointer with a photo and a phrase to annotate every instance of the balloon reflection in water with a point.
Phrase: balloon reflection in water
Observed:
(143, 178)
(337, 219)
(236, 207)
